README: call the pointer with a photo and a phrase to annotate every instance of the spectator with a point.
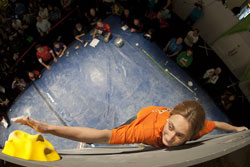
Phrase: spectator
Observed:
(33, 8)
(44, 54)
(185, 58)
(195, 14)
(16, 24)
(2, 89)
(66, 4)
(43, 26)
(18, 83)
(126, 17)
(117, 9)
(43, 12)
(3, 47)
(79, 32)
(4, 5)
(3, 100)
(166, 14)
(20, 9)
(59, 48)
(158, 26)
(3, 120)
(92, 17)
(4, 66)
(191, 38)
(173, 47)
(3, 34)
(157, 20)
(212, 75)
(34, 75)
(15, 44)
(28, 19)
(167, 4)
(54, 13)
(136, 26)
(102, 31)
(107, 6)
(8, 31)
(15, 56)
(151, 4)
(227, 100)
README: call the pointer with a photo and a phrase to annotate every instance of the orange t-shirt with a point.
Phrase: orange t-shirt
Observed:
(147, 128)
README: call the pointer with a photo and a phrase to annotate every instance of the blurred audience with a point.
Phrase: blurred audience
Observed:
(43, 12)
(191, 38)
(227, 100)
(43, 26)
(173, 47)
(59, 48)
(54, 13)
(18, 83)
(185, 58)
(44, 55)
(102, 31)
(79, 32)
(136, 26)
(34, 75)
(126, 18)
(212, 75)
(92, 17)
(195, 14)
(117, 9)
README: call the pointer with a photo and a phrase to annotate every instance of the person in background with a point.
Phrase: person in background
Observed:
(79, 32)
(16, 24)
(106, 6)
(157, 25)
(67, 4)
(33, 8)
(126, 18)
(59, 48)
(18, 83)
(136, 26)
(185, 58)
(117, 9)
(3, 120)
(16, 44)
(44, 54)
(173, 47)
(92, 17)
(4, 101)
(212, 75)
(43, 26)
(195, 14)
(43, 12)
(102, 31)
(20, 9)
(191, 38)
(34, 75)
(54, 13)
(227, 100)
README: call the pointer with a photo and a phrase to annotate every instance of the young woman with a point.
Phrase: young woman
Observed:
(155, 126)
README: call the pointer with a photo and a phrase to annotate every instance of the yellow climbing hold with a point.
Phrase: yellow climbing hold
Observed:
(30, 147)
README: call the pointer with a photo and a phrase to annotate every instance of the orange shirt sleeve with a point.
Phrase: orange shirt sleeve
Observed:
(209, 127)
(119, 134)
(145, 111)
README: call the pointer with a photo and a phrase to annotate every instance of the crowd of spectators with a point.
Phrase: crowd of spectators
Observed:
(25, 22)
